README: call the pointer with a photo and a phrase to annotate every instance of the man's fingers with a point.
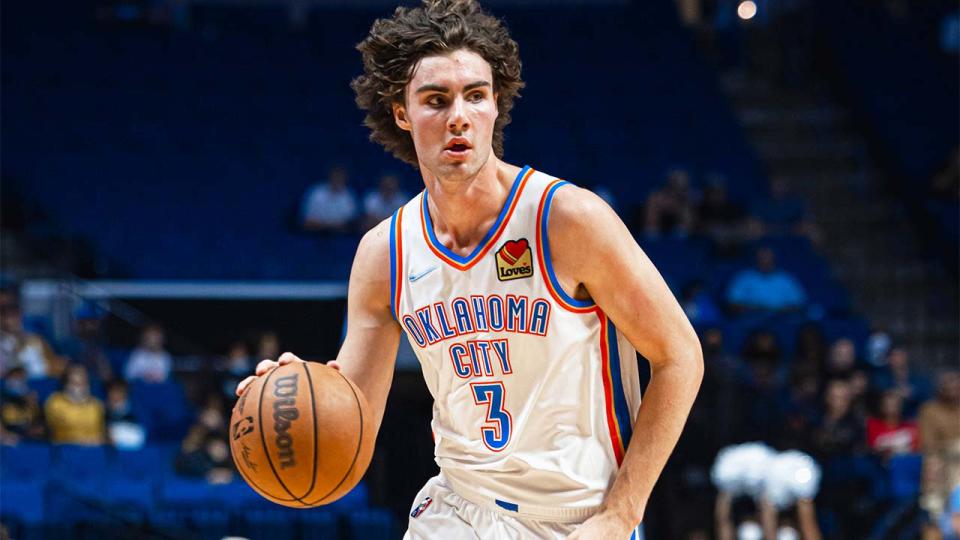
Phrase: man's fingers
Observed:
(265, 366)
(244, 384)
(334, 364)
(288, 357)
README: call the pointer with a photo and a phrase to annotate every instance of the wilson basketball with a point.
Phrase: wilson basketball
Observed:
(301, 435)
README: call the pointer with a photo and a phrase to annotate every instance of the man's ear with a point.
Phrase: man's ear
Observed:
(400, 117)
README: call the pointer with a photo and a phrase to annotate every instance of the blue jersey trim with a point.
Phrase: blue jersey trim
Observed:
(509, 506)
(393, 265)
(620, 407)
(493, 229)
(548, 260)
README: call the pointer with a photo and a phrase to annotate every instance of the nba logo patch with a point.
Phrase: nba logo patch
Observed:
(514, 260)
(421, 507)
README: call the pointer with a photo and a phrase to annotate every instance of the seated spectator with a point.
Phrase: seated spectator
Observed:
(86, 346)
(204, 452)
(914, 387)
(888, 434)
(784, 213)
(382, 203)
(268, 346)
(839, 433)
(73, 415)
(699, 306)
(717, 217)
(124, 424)
(810, 354)
(842, 359)
(765, 288)
(330, 206)
(149, 362)
(939, 423)
(19, 348)
(19, 410)
(669, 210)
(236, 367)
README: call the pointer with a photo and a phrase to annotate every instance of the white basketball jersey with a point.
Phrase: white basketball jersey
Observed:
(535, 392)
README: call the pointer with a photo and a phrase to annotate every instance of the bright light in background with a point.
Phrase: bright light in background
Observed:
(747, 9)
(803, 475)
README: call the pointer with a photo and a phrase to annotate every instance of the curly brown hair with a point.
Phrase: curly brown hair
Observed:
(395, 46)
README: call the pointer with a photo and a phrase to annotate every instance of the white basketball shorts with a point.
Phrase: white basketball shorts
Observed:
(439, 513)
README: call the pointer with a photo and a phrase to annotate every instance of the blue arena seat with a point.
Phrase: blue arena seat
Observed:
(374, 524)
(905, 476)
(318, 524)
(83, 465)
(22, 500)
(26, 461)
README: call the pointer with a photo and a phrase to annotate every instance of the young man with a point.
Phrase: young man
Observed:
(524, 298)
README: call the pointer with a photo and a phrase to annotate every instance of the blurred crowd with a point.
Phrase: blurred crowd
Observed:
(75, 393)
(332, 206)
(860, 409)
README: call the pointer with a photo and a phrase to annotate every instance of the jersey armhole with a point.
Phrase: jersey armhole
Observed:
(543, 255)
(396, 262)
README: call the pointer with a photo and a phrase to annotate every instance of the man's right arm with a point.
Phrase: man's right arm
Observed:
(369, 351)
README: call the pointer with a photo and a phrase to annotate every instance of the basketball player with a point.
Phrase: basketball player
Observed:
(524, 297)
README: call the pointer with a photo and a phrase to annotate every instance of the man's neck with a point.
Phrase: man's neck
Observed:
(464, 209)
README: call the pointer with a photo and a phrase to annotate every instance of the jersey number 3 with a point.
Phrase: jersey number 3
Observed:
(496, 430)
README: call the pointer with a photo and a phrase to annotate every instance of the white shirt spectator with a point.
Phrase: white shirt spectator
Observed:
(329, 208)
(330, 205)
(148, 366)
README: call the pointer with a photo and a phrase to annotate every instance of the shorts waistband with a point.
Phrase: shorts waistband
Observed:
(542, 513)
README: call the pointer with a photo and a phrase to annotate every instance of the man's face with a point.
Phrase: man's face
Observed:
(450, 110)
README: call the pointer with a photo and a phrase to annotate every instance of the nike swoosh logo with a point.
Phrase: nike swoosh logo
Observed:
(416, 277)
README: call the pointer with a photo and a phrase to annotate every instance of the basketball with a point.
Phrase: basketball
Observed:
(301, 435)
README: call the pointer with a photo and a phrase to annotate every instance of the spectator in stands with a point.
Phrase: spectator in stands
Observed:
(124, 423)
(205, 455)
(888, 433)
(236, 366)
(810, 354)
(86, 347)
(783, 213)
(717, 217)
(939, 423)
(73, 415)
(839, 433)
(914, 388)
(330, 206)
(149, 362)
(765, 288)
(837, 441)
(762, 385)
(699, 305)
(19, 409)
(717, 396)
(381, 204)
(801, 409)
(19, 348)
(669, 210)
(204, 452)
(842, 359)
(268, 346)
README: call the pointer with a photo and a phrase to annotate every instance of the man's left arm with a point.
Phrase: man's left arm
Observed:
(595, 254)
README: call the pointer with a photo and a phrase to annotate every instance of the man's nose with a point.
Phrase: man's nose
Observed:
(458, 116)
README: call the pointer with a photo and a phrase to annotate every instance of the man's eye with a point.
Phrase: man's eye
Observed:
(436, 101)
(476, 97)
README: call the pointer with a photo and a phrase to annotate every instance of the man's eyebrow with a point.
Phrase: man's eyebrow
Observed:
(444, 89)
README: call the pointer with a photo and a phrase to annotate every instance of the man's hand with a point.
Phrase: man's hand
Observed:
(266, 366)
(603, 525)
